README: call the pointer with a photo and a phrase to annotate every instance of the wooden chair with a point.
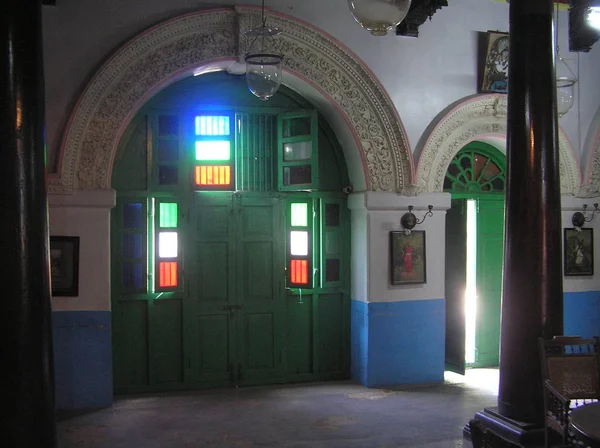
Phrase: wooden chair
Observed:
(571, 373)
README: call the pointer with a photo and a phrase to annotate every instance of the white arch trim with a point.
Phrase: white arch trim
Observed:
(483, 118)
(176, 48)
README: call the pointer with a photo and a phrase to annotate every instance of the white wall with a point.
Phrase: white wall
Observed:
(422, 75)
(86, 214)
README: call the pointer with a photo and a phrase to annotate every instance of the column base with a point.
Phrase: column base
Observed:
(505, 431)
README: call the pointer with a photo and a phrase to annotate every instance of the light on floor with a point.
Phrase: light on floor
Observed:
(471, 287)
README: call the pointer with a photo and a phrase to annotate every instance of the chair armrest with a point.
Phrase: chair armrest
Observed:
(556, 393)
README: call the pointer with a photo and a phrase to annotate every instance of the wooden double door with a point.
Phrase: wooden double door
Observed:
(234, 322)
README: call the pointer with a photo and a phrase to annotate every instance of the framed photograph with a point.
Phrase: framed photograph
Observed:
(579, 252)
(495, 64)
(408, 260)
(64, 265)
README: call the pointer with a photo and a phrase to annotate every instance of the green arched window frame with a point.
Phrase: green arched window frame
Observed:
(478, 168)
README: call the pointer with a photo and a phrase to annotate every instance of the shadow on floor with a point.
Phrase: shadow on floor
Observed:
(315, 415)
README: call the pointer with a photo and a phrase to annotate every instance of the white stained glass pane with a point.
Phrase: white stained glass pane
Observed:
(298, 243)
(167, 244)
(213, 150)
(297, 151)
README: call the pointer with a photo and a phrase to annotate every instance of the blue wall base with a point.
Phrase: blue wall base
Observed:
(82, 359)
(397, 343)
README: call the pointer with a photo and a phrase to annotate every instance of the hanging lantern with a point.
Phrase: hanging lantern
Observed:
(379, 16)
(263, 62)
(565, 87)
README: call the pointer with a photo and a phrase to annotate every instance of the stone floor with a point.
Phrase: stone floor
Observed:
(316, 415)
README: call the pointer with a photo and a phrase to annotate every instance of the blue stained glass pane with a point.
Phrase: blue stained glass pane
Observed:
(212, 125)
(132, 215)
(133, 276)
(132, 245)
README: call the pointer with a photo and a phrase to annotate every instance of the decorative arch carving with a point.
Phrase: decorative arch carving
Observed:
(476, 118)
(591, 187)
(175, 48)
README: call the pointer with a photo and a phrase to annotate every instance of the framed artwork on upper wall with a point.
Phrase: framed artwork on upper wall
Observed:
(407, 253)
(64, 265)
(495, 63)
(579, 251)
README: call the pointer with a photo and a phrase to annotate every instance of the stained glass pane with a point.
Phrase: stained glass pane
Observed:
(297, 151)
(299, 216)
(167, 244)
(212, 125)
(332, 215)
(299, 272)
(167, 274)
(168, 175)
(132, 245)
(293, 127)
(167, 125)
(133, 276)
(297, 175)
(168, 150)
(213, 150)
(208, 175)
(132, 215)
(298, 243)
(168, 214)
(332, 270)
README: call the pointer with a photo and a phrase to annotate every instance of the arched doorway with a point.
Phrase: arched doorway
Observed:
(474, 253)
(229, 251)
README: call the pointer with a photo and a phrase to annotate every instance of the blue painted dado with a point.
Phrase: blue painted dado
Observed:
(82, 359)
(398, 342)
(582, 313)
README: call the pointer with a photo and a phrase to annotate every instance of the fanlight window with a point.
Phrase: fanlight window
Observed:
(473, 172)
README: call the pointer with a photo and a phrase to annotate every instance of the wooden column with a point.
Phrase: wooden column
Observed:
(532, 286)
(27, 388)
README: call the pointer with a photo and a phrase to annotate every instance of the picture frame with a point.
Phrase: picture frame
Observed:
(64, 266)
(578, 251)
(408, 260)
(494, 78)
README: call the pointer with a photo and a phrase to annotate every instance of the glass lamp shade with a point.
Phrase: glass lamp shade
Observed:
(379, 16)
(263, 74)
(565, 94)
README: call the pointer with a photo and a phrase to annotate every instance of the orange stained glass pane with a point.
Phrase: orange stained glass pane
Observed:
(212, 175)
(299, 271)
(167, 275)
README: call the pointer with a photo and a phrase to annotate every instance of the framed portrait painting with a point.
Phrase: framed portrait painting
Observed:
(64, 265)
(579, 251)
(495, 64)
(408, 262)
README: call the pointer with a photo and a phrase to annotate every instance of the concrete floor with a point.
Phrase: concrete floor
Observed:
(316, 415)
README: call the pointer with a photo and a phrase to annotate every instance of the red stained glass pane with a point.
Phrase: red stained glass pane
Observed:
(212, 175)
(167, 276)
(299, 272)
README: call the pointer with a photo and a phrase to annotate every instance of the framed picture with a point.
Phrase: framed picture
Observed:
(64, 265)
(408, 260)
(579, 252)
(495, 64)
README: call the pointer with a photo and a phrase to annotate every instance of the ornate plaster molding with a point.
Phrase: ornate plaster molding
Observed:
(591, 187)
(475, 118)
(151, 60)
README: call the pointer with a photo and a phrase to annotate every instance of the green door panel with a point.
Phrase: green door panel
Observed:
(299, 335)
(490, 247)
(130, 343)
(332, 317)
(455, 284)
(166, 341)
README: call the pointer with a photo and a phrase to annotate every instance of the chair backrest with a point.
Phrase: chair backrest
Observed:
(572, 366)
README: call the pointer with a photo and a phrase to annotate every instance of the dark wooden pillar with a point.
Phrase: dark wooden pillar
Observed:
(532, 294)
(532, 287)
(27, 388)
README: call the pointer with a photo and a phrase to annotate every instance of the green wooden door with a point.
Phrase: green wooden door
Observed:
(456, 280)
(490, 242)
(234, 250)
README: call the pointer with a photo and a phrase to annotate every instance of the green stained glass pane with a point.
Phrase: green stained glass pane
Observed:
(299, 214)
(213, 150)
(168, 214)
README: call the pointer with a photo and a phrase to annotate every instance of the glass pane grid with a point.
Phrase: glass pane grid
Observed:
(299, 214)
(212, 175)
(168, 214)
(167, 274)
(298, 243)
(167, 244)
(213, 150)
(299, 272)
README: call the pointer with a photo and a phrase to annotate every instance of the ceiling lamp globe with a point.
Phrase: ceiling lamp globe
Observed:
(263, 63)
(379, 16)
